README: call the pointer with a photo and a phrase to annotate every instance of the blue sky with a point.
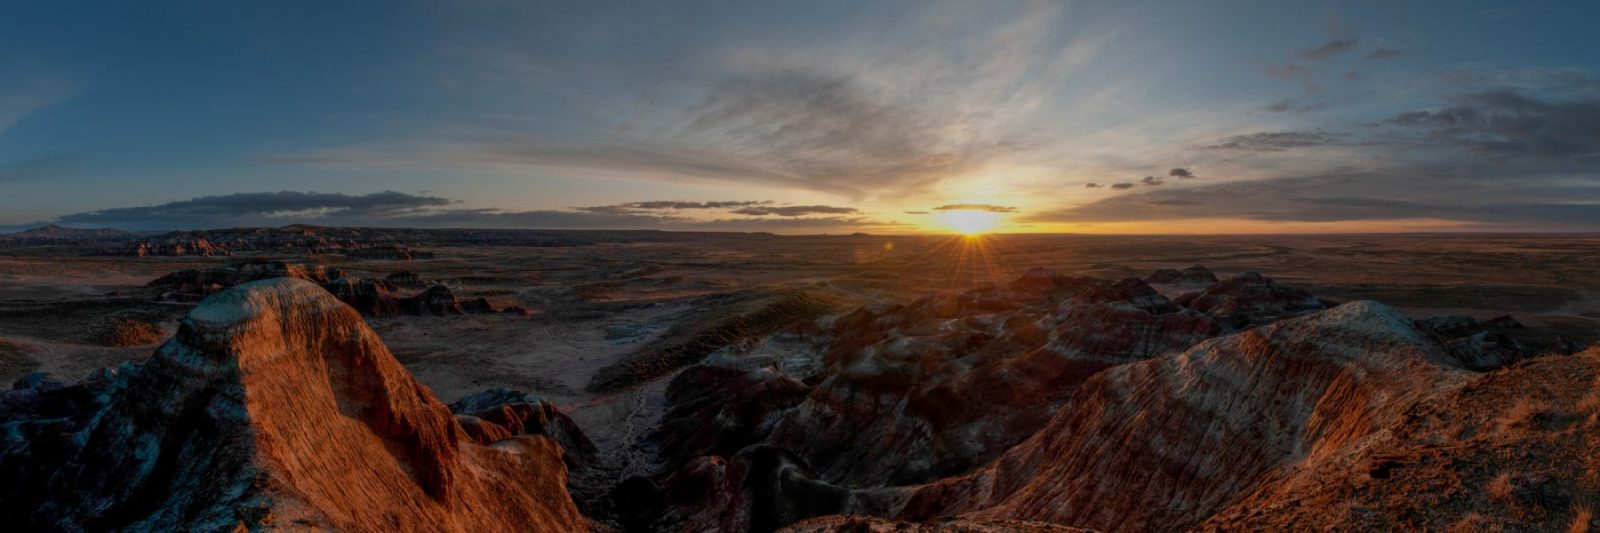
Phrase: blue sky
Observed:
(1061, 116)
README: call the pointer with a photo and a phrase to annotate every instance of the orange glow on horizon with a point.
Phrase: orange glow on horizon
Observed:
(969, 221)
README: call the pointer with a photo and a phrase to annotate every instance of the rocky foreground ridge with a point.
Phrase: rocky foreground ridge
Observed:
(274, 406)
(1106, 405)
(1049, 403)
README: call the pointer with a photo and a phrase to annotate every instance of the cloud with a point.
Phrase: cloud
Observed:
(1383, 53)
(796, 210)
(668, 204)
(22, 98)
(395, 209)
(660, 205)
(976, 207)
(38, 168)
(266, 208)
(880, 110)
(916, 212)
(1122, 186)
(1274, 141)
(1358, 196)
(1152, 181)
(1287, 105)
(1181, 173)
(1294, 72)
(1506, 122)
(1329, 49)
(1354, 76)
(1091, 185)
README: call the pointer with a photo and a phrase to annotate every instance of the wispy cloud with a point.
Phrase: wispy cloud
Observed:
(1274, 141)
(397, 209)
(669, 205)
(1290, 105)
(1383, 53)
(1330, 49)
(796, 210)
(1506, 122)
(38, 168)
(1294, 72)
(21, 97)
(258, 208)
(1389, 195)
(860, 115)
(977, 207)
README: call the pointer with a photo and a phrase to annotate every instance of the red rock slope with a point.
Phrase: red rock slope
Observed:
(275, 406)
(1166, 443)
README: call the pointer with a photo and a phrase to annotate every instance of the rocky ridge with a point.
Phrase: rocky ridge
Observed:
(1164, 420)
(1048, 403)
(274, 406)
(372, 297)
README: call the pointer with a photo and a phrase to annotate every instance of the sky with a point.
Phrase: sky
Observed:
(804, 117)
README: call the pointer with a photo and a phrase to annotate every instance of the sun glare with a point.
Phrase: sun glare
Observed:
(969, 221)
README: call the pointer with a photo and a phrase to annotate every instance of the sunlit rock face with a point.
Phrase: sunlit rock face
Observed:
(1166, 443)
(1276, 427)
(1510, 450)
(274, 406)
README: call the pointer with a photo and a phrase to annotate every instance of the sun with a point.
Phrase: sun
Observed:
(969, 221)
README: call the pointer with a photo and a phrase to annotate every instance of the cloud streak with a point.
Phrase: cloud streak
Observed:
(859, 116)
(396, 209)
(992, 208)
(1330, 49)
(796, 210)
(1507, 122)
(38, 168)
(1275, 141)
(1369, 196)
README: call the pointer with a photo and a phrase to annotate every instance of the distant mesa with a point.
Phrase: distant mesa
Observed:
(53, 234)
(371, 297)
(392, 244)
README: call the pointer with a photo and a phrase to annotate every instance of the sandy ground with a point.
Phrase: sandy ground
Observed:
(597, 305)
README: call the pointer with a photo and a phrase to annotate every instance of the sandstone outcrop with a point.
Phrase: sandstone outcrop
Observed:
(274, 406)
(1244, 431)
(1167, 442)
(371, 297)
(1250, 299)
(498, 414)
(916, 393)
(368, 296)
(124, 332)
(891, 395)
(193, 285)
(1194, 275)
(1510, 450)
